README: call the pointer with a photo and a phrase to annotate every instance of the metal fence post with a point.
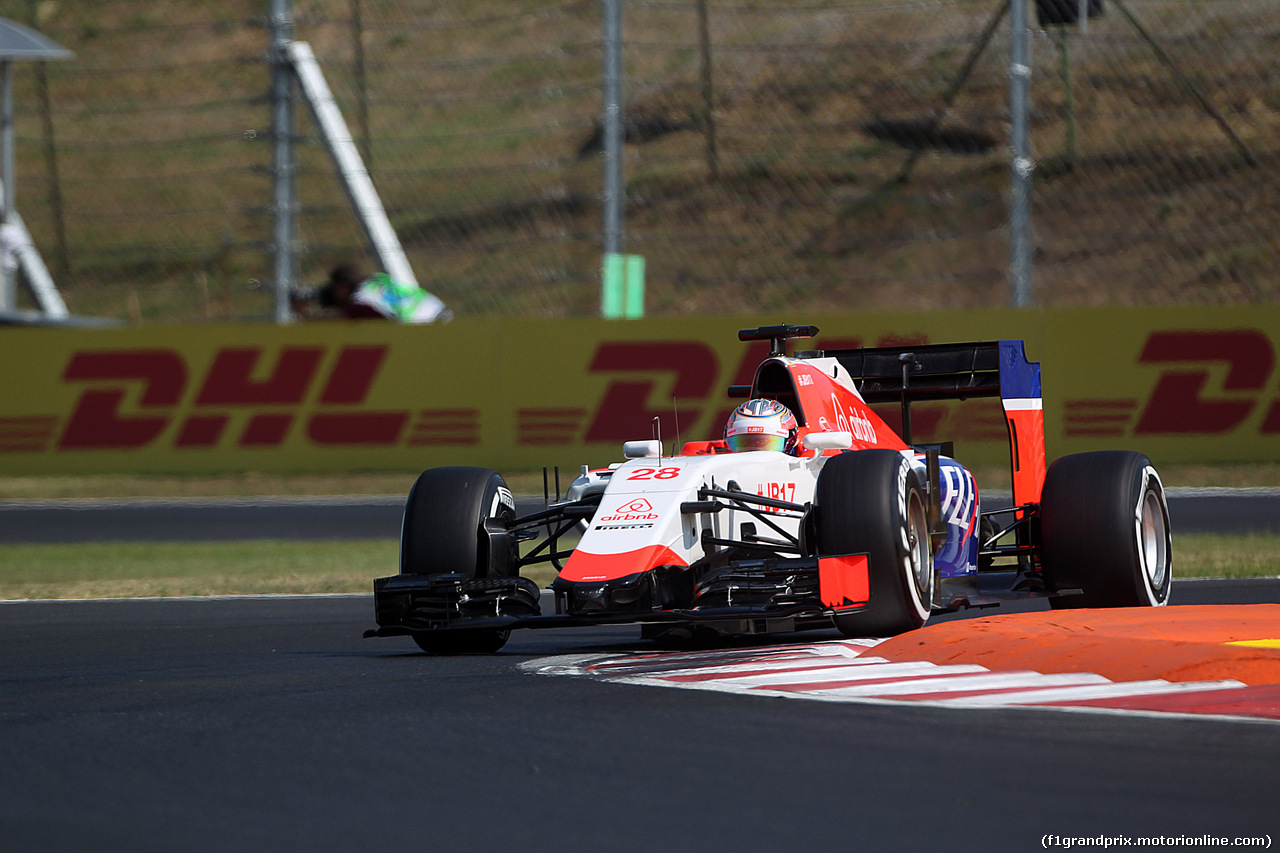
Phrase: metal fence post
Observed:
(283, 166)
(708, 92)
(8, 273)
(611, 121)
(1020, 206)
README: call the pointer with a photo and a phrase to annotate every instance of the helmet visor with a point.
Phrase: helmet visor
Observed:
(756, 441)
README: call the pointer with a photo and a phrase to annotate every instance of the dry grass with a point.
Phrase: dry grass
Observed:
(478, 111)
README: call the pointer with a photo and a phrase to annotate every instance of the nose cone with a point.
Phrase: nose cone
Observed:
(583, 566)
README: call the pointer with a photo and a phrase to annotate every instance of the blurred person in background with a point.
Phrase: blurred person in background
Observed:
(353, 294)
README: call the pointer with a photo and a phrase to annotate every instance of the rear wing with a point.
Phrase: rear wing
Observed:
(958, 372)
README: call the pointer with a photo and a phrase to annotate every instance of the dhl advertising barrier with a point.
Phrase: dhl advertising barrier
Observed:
(1181, 384)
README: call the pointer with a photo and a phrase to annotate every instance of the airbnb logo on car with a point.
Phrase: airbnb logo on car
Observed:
(637, 510)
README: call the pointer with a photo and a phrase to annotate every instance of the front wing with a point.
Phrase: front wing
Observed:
(753, 596)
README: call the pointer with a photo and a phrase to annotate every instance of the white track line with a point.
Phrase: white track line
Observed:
(985, 683)
(1110, 690)
(844, 671)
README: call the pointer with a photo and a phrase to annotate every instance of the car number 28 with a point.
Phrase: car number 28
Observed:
(654, 474)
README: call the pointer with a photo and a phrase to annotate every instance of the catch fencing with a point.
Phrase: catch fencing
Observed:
(786, 159)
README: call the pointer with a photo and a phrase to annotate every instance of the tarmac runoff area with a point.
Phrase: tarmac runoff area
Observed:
(1204, 661)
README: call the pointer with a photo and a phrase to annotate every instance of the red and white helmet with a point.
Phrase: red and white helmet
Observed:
(761, 424)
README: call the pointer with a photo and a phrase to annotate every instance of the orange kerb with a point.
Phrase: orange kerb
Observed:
(1124, 644)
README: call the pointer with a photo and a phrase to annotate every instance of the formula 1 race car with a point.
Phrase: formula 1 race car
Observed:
(826, 516)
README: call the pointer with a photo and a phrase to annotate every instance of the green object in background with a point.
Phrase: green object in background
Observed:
(623, 292)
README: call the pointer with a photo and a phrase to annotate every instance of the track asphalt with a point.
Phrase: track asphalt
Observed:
(269, 724)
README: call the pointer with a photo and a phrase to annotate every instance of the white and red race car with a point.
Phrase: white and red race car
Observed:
(855, 528)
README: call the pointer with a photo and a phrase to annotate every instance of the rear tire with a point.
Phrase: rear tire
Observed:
(871, 501)
(454, 523)
(1104, 529)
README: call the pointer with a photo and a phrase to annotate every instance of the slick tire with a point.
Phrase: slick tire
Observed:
(452, 523)
(1104, 529)
(872, 501)
(461, 642)
(455, 522)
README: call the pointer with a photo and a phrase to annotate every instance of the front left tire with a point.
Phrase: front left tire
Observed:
(454, 520)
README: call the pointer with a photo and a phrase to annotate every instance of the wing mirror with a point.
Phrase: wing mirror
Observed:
(642, 449)
(829, 440)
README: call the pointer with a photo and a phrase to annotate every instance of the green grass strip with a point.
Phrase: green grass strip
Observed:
(260, 567)
(144, 569)
(251, 567)
(1205, 555)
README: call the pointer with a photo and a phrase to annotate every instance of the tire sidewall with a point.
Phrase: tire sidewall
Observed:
(1148, 483)
(911, 500)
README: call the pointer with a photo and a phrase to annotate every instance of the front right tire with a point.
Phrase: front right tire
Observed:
(871, 501)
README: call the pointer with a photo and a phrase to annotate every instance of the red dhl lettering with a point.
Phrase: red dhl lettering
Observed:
(136, 397)
(1178, 403)
(624, 406)
(672, 382)
(1184, 400)
(1205, 382)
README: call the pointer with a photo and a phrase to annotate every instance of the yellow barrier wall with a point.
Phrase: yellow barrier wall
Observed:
(1181, 384)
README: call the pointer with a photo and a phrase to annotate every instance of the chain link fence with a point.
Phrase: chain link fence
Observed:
(789, 159)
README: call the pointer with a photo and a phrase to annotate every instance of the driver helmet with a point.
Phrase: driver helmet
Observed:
(761, 424)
